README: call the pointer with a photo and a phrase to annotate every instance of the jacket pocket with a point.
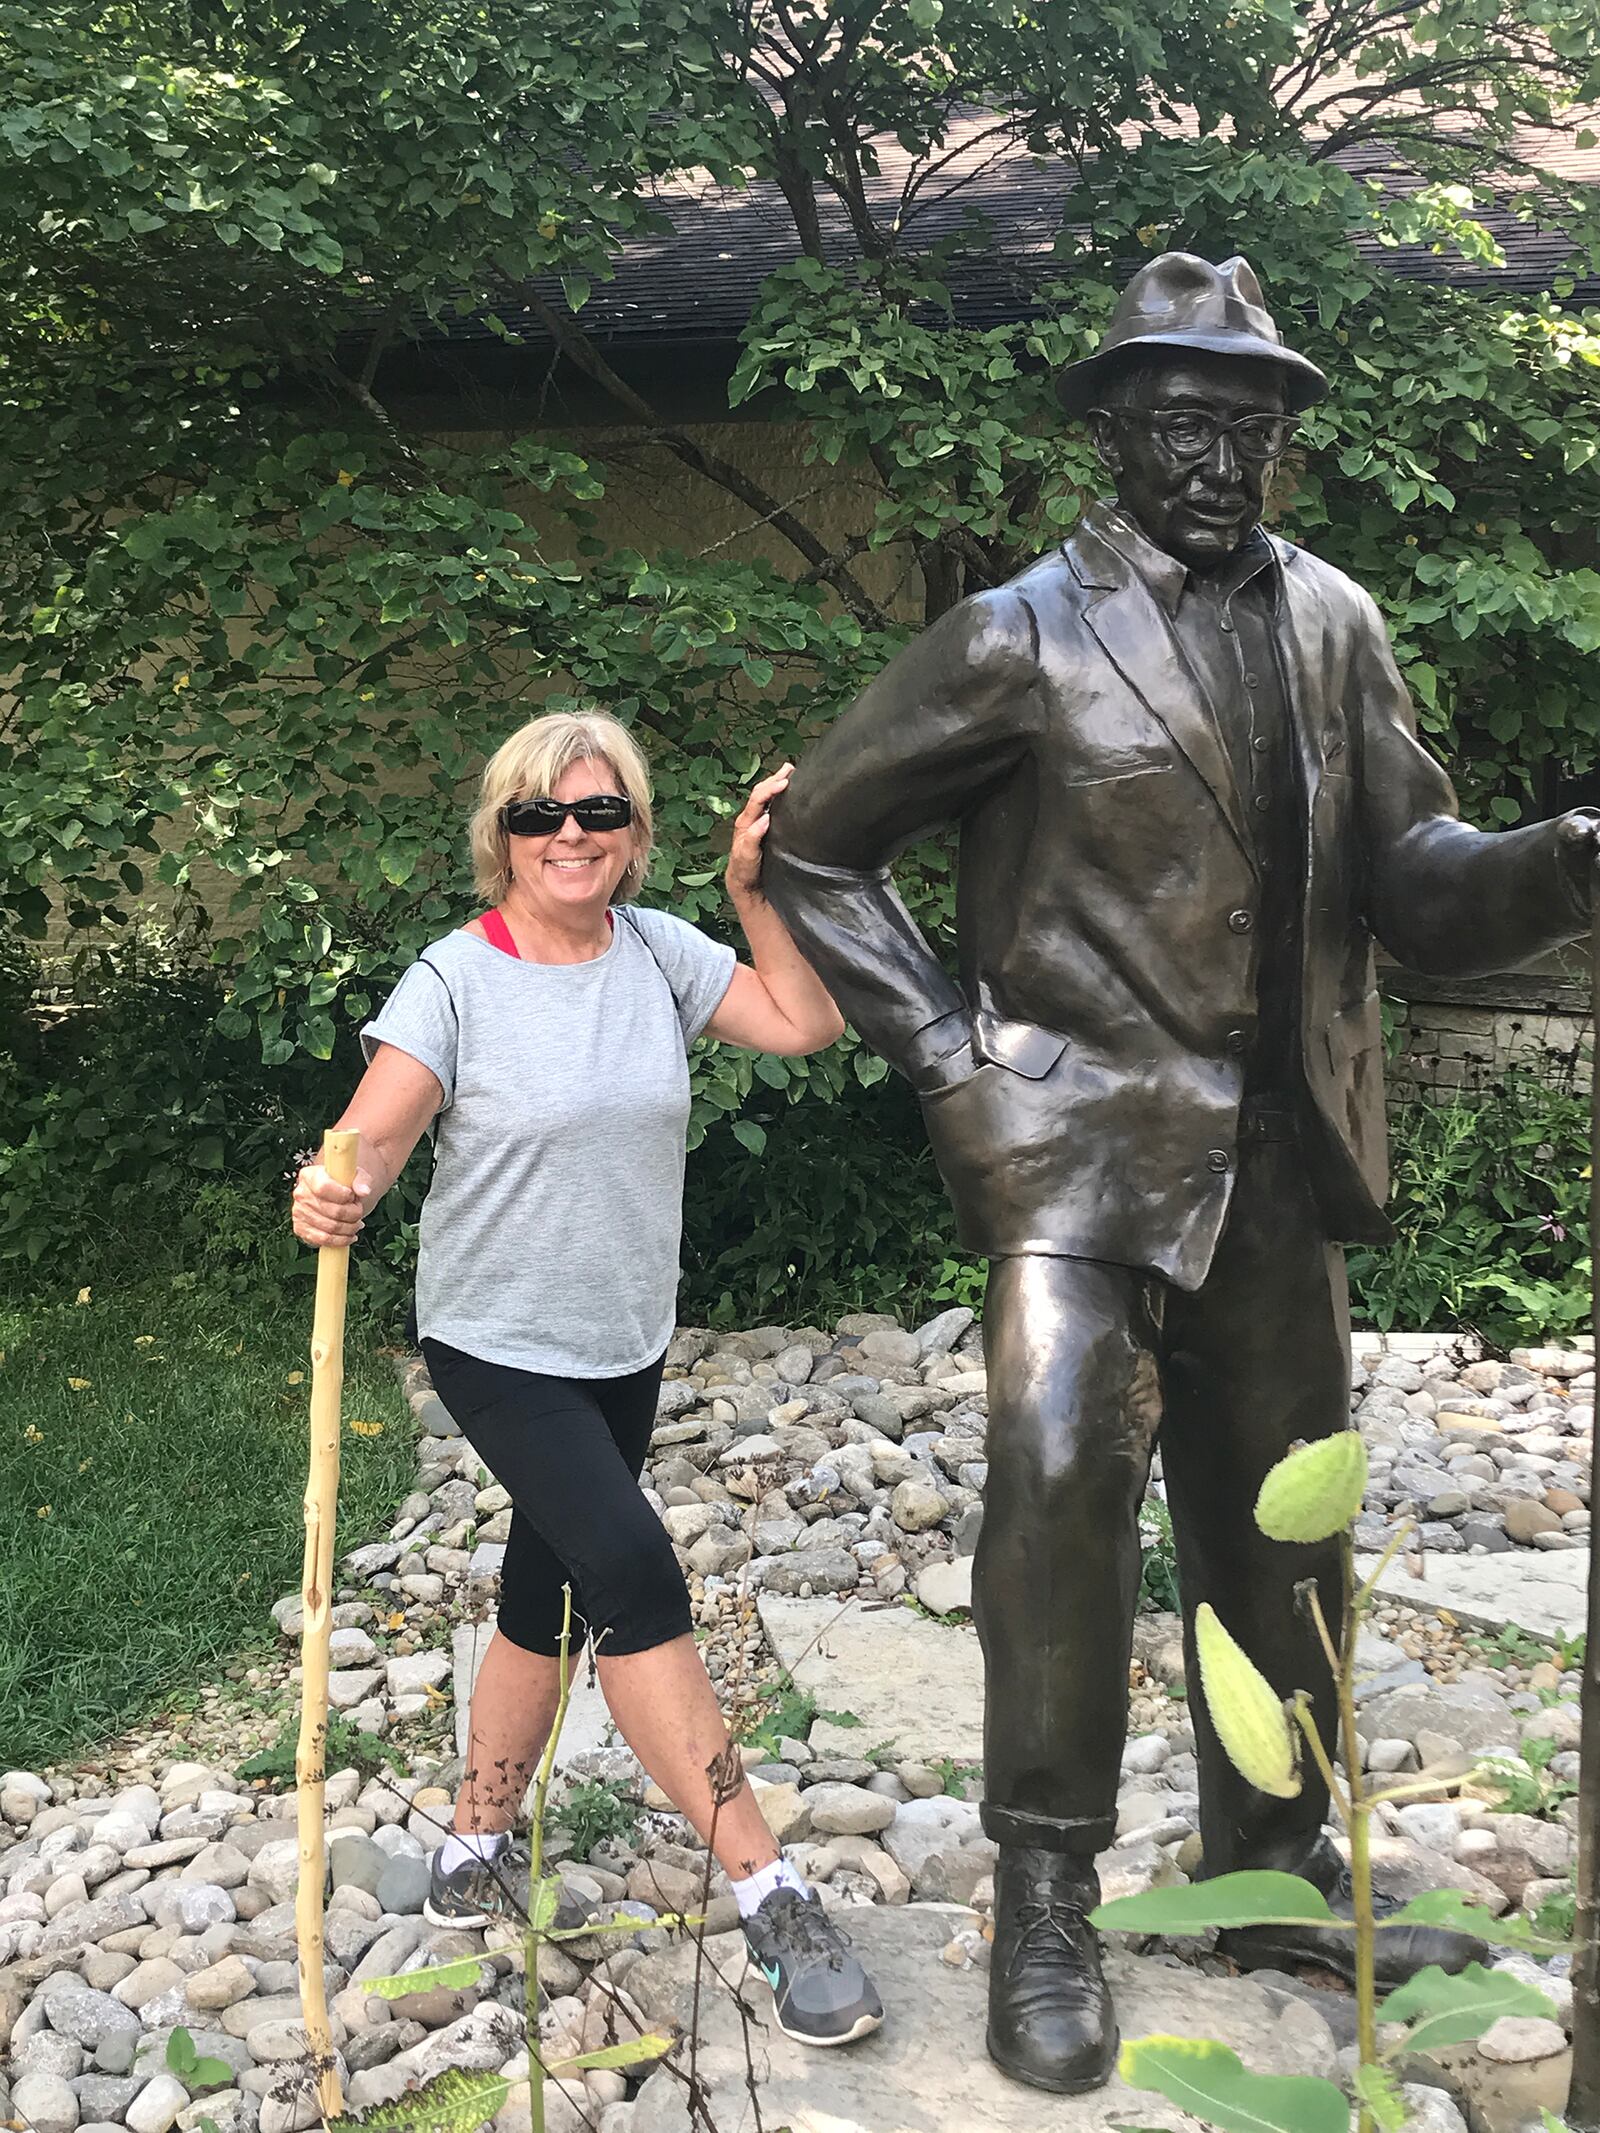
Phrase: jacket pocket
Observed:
(1119, 769)
(1021, 1047)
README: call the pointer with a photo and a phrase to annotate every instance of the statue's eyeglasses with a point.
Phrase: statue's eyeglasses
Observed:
(1189, 434)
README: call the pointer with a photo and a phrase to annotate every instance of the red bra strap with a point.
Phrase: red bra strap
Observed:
(498, 933)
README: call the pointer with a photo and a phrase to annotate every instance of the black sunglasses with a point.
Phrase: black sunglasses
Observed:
(542, 818)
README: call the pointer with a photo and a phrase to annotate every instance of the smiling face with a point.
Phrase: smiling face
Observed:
(1199, 510)
(576, 871)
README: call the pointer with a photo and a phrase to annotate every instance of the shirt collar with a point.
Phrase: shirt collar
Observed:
(1169, 579)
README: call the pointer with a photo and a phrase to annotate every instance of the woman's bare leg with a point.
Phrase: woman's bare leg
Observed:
(667, 1712)
(513, 1708)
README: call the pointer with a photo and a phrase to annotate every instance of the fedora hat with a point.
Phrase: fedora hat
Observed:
(1179, 301)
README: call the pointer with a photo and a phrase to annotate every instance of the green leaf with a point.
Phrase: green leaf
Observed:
(320, 251)
(454, 2103)
(1212, 2083)
(1445, 2009)
(666, 1921)
(546, 1903)
(1249, 1898)
(749, 1135)
(1450, 1909)
(1380, 2091)
(444, 1977)
(633, 2052)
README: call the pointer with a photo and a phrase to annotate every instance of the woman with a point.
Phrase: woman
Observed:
(546, 1045)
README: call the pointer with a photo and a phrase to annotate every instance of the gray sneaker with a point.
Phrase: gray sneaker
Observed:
(820, 1993)
(479, 1889)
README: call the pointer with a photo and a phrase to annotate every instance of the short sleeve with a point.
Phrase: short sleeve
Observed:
(419, 1018)
(698, 969)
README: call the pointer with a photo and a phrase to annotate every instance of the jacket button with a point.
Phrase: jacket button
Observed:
(1216, 1159)
(1234, 1042)
(1239, 922)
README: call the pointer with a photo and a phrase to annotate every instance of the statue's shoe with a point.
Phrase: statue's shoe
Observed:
(1050, 2017)
(1399, 1953)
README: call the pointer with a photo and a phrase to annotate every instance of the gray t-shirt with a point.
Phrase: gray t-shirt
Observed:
(551, 1228)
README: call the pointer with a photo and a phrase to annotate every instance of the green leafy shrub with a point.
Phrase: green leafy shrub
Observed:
(596, 1811)
(259, 628)
(788, 1712)
(133, 1132)
(1491, 1207)
(1158, 1558)
(346, 1747)
(842, 1210)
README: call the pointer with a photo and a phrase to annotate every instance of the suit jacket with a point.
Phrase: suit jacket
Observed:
(1082, 1082)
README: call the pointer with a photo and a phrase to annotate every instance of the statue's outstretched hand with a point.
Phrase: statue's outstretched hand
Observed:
(1578, 842)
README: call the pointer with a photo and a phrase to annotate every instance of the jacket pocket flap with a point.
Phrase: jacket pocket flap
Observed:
(1023, 1047)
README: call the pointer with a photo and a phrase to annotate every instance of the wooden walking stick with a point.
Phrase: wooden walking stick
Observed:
(1583, 2101)
(339, 1152)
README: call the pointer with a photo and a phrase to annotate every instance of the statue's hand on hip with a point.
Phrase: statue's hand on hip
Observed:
(945, 1072)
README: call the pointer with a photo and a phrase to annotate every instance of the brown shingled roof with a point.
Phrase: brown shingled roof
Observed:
(697, 281)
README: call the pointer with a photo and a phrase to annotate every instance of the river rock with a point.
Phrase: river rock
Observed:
(848, 1810)
(945, 1587)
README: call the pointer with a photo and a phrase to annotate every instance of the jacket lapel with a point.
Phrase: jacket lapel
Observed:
(1319, 733)
(1138, 639)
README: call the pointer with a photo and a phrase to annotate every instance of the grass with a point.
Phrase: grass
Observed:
(152, 1471)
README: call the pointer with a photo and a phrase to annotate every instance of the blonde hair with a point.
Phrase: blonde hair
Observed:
(531, 764)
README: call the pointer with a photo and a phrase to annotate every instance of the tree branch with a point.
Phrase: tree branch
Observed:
(581, 351)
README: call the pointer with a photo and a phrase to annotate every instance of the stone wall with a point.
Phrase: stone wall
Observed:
(1459, 1035)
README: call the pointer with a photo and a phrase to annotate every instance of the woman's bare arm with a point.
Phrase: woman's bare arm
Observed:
(393, 1103)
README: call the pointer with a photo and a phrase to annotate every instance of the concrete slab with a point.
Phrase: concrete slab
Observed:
(915, 1683)
(588, 1724)
(926, 2070)
(1544, 1594)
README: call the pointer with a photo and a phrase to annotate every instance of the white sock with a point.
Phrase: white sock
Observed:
(462, 1845)
(751, 1894)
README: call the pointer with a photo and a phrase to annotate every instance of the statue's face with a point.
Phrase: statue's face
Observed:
(1198, 506)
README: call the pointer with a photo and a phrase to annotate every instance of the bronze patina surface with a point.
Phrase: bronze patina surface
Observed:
(1190, 797)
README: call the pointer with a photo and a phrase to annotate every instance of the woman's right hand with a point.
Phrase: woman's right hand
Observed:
(325, 1212)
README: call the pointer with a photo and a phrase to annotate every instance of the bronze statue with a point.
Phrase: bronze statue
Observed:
(1190, 794)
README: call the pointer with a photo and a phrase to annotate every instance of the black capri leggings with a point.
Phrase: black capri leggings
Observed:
(569, 1452)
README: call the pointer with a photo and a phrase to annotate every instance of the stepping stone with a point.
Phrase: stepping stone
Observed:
(914, 1682)
(587, 1727)
(926, 2070)
(1547, 1595)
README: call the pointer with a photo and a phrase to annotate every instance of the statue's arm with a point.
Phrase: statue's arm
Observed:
(926, 739)
(1443, 897)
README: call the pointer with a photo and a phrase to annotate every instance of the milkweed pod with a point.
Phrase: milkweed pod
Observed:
(1248, 1717)
(1316, 1491)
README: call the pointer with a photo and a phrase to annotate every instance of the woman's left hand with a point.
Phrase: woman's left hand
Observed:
(749, 832)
